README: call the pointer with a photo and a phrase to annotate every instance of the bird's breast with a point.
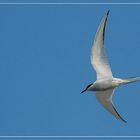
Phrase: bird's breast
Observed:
(102, 85)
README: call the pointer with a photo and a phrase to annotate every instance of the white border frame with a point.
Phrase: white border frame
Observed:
(51, 136)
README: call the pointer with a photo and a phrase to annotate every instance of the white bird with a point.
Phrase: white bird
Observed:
(105, 83)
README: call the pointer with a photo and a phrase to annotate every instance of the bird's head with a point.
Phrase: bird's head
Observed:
(87, 88)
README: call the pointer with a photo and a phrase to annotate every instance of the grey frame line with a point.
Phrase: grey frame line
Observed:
(61, 136)
(31, 136)
(69, 3)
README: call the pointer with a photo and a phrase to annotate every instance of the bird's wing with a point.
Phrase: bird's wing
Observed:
(98, 57)
(105, 98)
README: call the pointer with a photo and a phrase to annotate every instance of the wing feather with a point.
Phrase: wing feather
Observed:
(105, 98)
(98, 57)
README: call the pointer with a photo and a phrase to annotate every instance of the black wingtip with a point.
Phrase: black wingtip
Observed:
(119, 115)
(108, 11)
(124, 120)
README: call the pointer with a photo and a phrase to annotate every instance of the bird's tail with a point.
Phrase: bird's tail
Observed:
(130, 80)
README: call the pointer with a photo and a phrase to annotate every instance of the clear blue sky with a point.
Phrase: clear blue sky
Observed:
(45, 63)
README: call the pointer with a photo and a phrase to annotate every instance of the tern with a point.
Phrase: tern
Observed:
(105, 84)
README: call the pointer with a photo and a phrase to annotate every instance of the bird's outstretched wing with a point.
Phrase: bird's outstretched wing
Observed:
(98, 57)
(105, 98)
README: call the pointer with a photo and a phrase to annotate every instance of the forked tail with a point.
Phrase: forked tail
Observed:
(130, 80)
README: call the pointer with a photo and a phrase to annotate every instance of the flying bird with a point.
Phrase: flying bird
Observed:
(105, 84)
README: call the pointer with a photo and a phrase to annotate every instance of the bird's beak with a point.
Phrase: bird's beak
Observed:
(83, 90)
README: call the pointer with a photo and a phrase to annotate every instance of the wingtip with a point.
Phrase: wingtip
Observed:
(108, 11)
(119, 116)
(124, 121)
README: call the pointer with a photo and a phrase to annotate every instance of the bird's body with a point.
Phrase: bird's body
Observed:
(105, 84)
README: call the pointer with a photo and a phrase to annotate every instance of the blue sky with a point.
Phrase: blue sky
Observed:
(45, 63)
